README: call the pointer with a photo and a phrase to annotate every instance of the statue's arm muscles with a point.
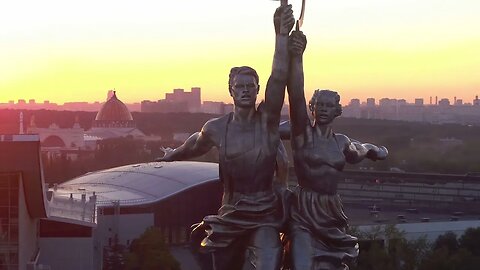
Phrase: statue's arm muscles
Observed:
(196, 145)
(356, 151)
(296, 97)
(275, 90)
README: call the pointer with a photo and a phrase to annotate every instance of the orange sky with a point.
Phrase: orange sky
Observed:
(63, 52)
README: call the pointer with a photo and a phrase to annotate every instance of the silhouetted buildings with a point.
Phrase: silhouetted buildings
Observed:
(67, 106)
(443, 111)
(113, 120)
(178, 101)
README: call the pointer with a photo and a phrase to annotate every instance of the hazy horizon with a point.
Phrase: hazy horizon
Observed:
(64, 52)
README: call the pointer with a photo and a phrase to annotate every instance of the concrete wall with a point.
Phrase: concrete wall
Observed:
(67, 253)
(27, 231)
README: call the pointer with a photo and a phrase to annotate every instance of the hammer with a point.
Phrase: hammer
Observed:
(302, 13)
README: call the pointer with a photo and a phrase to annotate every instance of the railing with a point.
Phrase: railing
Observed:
(438, 195)
(83, 210)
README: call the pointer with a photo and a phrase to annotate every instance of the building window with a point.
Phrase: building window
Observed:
(9, 185)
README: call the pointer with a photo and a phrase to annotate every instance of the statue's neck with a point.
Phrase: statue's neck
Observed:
(243, 115)
(323, 130)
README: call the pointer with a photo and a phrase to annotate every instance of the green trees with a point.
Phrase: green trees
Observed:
(396, 253)
(149, 252)
(447, 252)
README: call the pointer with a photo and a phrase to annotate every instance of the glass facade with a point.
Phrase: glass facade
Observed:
(9, 191)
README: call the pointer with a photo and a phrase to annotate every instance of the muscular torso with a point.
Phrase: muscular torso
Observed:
(247, 158)
(318, 162)
(239, 139)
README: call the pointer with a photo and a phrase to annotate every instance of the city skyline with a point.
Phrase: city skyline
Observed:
(432, 100)
(62, 52)
(179, 100)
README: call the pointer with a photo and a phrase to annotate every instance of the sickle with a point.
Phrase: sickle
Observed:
(302, 15)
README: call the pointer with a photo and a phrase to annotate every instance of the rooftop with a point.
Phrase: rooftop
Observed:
(139, 184)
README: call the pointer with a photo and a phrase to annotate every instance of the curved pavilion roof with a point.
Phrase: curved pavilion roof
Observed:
(140, 184)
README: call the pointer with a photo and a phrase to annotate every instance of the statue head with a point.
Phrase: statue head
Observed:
(243, 86)
(325, 106)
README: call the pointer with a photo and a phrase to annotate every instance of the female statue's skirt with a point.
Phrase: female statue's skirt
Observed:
(321, 219)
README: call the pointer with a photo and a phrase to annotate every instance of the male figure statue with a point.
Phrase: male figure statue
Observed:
(247, 223)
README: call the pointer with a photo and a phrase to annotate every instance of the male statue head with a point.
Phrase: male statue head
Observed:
(243, 86)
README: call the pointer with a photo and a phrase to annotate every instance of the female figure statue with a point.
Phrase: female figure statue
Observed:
(318, 222)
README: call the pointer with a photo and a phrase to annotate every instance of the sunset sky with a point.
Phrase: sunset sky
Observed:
(76, 50)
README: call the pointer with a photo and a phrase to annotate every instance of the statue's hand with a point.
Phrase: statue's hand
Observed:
(377, 154)
(283, 20)
(382, 153)
(167, 154)
(297, 43)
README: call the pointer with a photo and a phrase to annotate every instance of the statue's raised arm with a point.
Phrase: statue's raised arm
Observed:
(275, 90)
(295, 86)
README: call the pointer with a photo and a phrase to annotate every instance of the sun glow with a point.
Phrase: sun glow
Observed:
(54, 50)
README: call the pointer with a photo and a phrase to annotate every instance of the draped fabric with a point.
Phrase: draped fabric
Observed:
(249, 212)
(323, 218)
(250, 200)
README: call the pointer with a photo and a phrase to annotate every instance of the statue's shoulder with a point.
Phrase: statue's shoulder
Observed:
(341, 139)
(216, 125)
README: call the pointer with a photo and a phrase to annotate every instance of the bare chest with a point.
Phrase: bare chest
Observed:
(318, 151)
(239, 139)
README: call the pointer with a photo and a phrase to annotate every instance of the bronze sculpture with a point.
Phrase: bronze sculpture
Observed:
(248, 222)
(317, 221)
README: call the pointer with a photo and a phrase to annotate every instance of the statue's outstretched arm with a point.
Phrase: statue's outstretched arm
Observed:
(275, 90)
(356, 151)
(196, 145)
(295, 87)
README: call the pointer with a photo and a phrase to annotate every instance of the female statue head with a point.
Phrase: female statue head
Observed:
(325, 106)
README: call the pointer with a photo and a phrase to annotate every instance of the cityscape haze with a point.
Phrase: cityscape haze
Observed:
(373, 48)
(93, 92)
(435, 110)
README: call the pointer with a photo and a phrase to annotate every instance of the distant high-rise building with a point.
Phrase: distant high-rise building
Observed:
(213, 107)
(370, 102)
(352, 109)
(419, 101)
(476, 101)
(384, 102)
(459, 102)
(355, 102)
(444, 102)
(178, 101)
(31, 101)
(401, 102)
